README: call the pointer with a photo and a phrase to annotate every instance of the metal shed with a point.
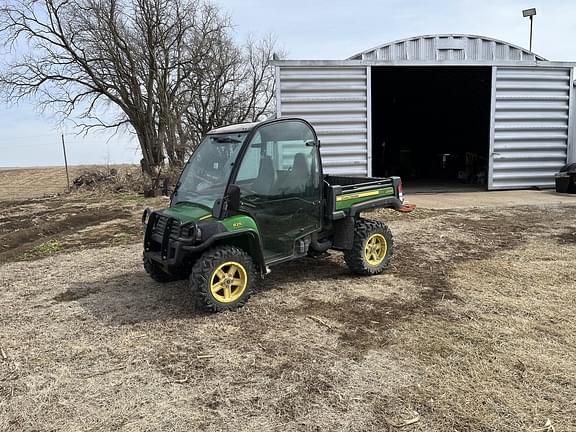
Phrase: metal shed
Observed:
(473, 97)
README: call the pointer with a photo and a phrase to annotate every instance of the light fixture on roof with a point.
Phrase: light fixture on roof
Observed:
(530, 13)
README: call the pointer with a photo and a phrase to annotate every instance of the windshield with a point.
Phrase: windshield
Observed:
(205, 176)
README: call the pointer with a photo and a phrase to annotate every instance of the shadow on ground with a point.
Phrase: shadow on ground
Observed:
(131, 298)
(134, 297)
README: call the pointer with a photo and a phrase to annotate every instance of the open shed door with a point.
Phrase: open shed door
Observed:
(335, 101)
(529, 126)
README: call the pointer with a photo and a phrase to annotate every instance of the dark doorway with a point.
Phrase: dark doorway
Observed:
(431, 125)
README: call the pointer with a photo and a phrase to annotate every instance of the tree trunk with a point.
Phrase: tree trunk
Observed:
(152, 160)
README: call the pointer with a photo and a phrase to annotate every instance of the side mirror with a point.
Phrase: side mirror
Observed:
(217, 209)
(233, 197)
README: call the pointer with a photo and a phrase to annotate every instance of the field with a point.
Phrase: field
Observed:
(473, 328)
(22, 183)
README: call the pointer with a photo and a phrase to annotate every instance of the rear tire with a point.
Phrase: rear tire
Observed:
(223, 278)
(156, 273)
(372, 248)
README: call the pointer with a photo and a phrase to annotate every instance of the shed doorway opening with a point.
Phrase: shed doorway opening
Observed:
(431, 126)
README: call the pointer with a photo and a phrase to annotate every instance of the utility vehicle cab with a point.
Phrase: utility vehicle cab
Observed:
(278, 180)
(254, 195)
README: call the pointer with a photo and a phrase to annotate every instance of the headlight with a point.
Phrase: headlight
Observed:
(187, 231)
(146, 216)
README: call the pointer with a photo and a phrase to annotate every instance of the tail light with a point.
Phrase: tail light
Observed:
(401, 191)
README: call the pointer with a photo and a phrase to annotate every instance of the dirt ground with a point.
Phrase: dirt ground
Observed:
(473, 327)
(510, 198)
(32, 228)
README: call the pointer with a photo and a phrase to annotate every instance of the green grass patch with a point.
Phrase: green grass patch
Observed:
(45, 249)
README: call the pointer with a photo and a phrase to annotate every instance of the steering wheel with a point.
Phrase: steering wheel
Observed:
(248, 194)
(204, 179)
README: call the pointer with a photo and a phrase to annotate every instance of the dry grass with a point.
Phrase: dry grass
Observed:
(473, 327)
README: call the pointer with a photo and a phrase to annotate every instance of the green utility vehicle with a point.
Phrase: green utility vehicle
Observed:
(253, 196)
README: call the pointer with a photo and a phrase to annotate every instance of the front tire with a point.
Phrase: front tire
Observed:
(223, 278)
(372, 248)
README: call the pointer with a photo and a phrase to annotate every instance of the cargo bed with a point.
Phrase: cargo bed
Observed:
(348, 196)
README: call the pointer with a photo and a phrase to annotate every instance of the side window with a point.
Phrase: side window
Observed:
(280, 161)
(295, 157)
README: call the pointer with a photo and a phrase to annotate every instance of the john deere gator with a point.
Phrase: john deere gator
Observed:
(253, 196)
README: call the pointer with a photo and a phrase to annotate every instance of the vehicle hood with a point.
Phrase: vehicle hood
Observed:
(187, 212)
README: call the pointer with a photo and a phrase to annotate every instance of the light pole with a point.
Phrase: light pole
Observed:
(530, 13)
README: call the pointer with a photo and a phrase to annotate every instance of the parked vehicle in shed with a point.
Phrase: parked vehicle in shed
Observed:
(253, 196)
(566, 179)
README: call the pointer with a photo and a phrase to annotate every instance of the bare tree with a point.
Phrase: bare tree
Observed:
(236, 85)
(168, 69)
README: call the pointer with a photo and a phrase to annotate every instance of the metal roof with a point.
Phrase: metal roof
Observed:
(448, 47)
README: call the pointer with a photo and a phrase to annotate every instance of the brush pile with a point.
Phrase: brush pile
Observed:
(125, 179)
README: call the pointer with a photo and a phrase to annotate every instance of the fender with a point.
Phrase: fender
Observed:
(248, 240)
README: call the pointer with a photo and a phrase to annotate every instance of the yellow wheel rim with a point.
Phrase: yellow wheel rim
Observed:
(375, 249)
(228, 282)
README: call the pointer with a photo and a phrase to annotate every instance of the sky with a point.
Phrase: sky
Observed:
(308, 29)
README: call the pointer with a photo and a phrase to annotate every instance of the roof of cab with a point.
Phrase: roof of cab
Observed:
(247, 127)
(235, 128)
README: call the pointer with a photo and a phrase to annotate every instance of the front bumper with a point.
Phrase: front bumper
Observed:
(171, 244)
(163, 240)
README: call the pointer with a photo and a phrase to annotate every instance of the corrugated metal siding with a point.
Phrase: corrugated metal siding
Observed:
(450, 47)
(334, 100)
(530, 136)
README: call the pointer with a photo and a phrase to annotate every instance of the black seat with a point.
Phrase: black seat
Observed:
(297, 178)
(266, 177)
